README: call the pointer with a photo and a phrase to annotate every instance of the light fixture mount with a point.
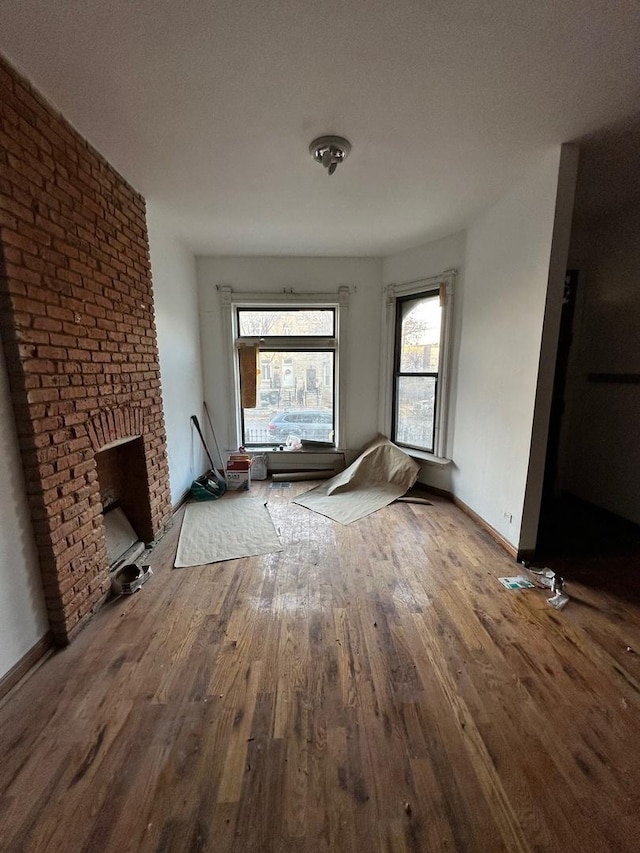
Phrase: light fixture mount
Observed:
(330, 151)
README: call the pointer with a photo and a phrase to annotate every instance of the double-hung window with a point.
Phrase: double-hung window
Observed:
(297, 364)
(418, 321)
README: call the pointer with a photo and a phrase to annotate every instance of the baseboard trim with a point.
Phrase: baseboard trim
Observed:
(497, 537)
(26, 664)
(508, 547)
(181, 501)
(433, 490)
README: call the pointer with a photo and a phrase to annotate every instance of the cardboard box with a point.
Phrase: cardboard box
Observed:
(238, 465)
(238, 480)
(239, 462)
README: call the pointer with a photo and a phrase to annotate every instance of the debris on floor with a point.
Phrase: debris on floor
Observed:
(543, 577)
(558, 600)
(517, 582)
(129, 579)
(548, 579)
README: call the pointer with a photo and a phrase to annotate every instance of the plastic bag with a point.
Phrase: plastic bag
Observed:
(558, 601)
(259, 466)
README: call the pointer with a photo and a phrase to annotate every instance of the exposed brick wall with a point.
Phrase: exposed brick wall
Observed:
(79, 336)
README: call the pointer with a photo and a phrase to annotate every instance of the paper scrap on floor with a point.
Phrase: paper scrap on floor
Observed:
(517, 582)
(232, 527)
(382, 473)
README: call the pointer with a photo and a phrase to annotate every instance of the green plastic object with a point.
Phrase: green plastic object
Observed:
(207, 488)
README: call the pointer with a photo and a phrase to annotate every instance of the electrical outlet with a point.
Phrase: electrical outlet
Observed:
(508, 516)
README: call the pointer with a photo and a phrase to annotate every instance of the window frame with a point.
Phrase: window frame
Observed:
(394, 294)
(398, 373)
(337, 300)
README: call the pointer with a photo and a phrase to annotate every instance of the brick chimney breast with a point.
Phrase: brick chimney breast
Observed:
(80, 341)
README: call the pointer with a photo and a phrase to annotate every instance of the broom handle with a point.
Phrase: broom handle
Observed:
(213, 432)
(196, 424)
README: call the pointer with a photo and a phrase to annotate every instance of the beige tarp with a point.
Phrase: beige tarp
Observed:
(234, 526)
(379, 475)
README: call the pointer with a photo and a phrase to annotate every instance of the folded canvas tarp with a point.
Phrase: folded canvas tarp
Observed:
(381, 474)
(233, 527)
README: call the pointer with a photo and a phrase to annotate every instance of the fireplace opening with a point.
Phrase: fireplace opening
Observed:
(124, 493)
(122, 476)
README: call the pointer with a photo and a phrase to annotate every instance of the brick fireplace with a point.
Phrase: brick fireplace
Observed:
(80, 343)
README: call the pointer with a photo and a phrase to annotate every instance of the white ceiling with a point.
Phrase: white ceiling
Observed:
(208, 106)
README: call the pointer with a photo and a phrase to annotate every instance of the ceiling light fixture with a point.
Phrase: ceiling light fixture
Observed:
(329, 151)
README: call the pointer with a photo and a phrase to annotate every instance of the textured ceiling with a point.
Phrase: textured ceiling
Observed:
(208, 107)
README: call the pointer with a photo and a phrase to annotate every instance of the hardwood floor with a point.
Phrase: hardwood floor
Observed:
(370, 688)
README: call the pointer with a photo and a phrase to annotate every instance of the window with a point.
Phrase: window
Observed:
(418, 320)
(297, 389)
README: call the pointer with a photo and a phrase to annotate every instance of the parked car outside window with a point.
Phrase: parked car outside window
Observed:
(313, 424)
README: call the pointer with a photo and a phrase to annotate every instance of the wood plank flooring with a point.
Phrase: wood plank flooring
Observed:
(369, 688)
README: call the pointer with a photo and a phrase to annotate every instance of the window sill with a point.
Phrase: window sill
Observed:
(277, 448)
(429, 458)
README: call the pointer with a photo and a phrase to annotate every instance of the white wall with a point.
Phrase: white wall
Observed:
(424, 262)
(601, 450)
(507, 265)
(359, 359)
(23, 617)
(176, 309)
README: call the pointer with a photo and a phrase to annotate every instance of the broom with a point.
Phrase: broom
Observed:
(212, 484)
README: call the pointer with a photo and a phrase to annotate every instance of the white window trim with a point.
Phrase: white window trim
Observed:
(230, 300)
(392, 293)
